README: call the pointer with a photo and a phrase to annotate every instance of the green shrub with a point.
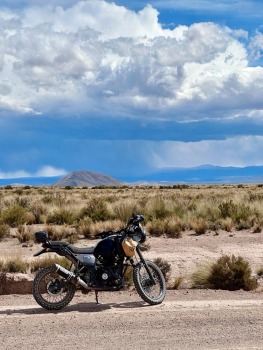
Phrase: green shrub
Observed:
(227, 273)
(158, 208)
(15, 216)
(156, 228)
(60, 217)
(172, 227)
(96, 210)
(238, 212)
(38, 212)
(227, 209)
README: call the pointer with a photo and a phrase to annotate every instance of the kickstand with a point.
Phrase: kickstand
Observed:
(96, 296)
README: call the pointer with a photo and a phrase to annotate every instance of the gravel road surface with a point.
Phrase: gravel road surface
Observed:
(187, 319)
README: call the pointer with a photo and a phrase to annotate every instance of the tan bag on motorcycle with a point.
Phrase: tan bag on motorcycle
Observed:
(129, 246)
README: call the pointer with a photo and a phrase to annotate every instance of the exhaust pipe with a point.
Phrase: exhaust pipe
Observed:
(70, 276)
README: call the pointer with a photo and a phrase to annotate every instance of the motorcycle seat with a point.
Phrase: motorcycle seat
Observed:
(76, 250)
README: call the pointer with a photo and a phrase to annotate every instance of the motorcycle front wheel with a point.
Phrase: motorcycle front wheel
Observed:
(50, 290)
(151, 292)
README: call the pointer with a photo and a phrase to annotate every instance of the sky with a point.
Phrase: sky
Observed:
(128, 88)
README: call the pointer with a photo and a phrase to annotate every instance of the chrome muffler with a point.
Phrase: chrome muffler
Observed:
(70, 276)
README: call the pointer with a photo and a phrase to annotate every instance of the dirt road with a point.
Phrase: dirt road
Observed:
(188, 319)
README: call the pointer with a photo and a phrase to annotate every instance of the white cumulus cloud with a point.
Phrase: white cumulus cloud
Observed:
(94, 57)
(45, 171)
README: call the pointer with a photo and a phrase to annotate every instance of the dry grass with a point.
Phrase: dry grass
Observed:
(14, 265)
(171, 210)
(176, 283)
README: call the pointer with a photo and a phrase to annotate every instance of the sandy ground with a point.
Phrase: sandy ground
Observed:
(187, 319)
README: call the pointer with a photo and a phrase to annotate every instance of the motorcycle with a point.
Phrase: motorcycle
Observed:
(98, 268)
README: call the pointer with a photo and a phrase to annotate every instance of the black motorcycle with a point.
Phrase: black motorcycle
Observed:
(99, 268)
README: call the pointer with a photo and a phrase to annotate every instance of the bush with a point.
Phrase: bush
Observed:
(72, 237)
(226, 224)
(57, 234)
(38, 212)
(60, 217)
(227, 273)
(172, 227)
(14, 265)
(96, 210)
(156, 228)
(84, 228)
(164, 266)
(199, 225)
(15, 216)
(158, 209)
(238, 212)
(24, 234)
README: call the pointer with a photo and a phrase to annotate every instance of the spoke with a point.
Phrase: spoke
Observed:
(47, 293)
(152, 290)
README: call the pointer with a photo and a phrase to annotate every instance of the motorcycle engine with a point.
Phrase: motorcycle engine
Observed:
(104, 276)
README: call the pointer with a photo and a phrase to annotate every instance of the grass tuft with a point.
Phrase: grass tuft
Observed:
(227, 273)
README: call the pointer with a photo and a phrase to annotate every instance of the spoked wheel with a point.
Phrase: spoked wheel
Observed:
(151, 292)
(51, 291)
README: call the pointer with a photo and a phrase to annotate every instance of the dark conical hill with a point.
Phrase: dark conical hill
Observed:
(87, 178)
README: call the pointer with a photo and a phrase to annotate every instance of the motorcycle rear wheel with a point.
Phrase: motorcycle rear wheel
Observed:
(51, 291)
(152, 293)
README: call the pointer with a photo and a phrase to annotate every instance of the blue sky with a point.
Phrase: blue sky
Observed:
(129, 87)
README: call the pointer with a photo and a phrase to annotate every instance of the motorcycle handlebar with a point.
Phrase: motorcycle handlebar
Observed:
(134, 220)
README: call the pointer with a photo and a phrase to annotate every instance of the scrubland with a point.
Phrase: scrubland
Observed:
(167, 210)
(170, 211)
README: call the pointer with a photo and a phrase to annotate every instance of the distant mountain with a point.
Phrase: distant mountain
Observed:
(207, 174)
(87, 178)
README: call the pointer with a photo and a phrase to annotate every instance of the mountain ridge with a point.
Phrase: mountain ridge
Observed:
(204, 174)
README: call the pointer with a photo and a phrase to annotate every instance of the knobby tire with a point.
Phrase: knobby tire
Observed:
(152, 294)
(40, 292)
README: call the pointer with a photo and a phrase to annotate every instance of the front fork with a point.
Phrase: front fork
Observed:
(145, 265)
